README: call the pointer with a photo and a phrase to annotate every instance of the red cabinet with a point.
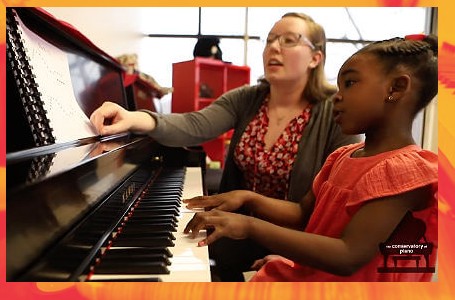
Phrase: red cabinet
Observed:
(199, 82)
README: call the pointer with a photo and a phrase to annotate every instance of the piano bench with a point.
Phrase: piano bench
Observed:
(396, 258)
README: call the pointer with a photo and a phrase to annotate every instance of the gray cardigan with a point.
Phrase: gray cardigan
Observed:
(235, 109)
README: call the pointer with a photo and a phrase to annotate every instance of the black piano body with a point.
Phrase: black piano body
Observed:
(67, 203)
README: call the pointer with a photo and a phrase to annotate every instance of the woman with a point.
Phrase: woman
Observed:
(283, 128)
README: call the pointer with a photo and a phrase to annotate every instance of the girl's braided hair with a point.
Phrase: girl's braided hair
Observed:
(417, 54)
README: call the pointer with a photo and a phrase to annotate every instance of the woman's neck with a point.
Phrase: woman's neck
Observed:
(285, 96)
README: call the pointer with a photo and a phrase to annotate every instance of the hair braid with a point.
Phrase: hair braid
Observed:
(419, 56)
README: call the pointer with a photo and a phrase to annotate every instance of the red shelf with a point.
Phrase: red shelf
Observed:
(199, 82)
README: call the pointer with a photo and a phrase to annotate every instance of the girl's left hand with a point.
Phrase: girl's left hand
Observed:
(231, 225)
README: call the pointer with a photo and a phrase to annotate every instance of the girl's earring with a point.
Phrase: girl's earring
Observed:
(390, 99)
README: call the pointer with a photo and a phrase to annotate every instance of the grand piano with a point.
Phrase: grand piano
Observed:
(95, 208)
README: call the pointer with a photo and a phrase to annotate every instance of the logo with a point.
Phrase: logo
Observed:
(407, 250)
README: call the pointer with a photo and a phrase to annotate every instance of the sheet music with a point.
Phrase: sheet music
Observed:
(51, 69)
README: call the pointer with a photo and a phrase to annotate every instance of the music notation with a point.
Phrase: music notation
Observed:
(51, 73)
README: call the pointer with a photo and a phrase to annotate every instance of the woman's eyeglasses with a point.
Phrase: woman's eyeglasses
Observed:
(288, 40)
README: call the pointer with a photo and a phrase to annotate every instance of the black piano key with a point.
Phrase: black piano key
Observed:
(154, 212)
(165, 218)
(131, 267)
(149, 228)
(168, 188)
(157, 204)
(171, 175)
(127, 252)
(166, 197)
(155, 197)
(154, 257)
(146, 206)
(165, 187)
(167, 179)
(143, 242)
(162, 194)
(143, 225)
(170, 207)
(146, 234)
(154, 202)
(139, 226)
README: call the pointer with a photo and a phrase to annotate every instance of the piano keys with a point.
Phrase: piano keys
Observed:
(185, 262)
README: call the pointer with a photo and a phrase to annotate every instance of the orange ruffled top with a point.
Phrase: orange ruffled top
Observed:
(342, 186)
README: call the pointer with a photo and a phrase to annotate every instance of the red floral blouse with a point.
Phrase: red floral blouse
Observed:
(268, 171)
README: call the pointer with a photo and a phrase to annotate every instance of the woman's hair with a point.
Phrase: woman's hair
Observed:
(317, 88)
(416, 53)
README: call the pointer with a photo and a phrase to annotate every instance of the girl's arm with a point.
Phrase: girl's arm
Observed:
(372, 224)
(282, 212)
(279, 212)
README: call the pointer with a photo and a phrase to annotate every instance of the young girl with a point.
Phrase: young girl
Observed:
(363, 190)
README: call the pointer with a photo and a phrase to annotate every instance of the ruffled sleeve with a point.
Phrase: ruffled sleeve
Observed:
(397, 174)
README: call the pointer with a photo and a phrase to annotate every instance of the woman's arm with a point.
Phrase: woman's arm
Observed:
(177, 129)
(111, 118)
(194, 128)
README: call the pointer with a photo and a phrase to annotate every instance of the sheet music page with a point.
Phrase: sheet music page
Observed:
(50, 66)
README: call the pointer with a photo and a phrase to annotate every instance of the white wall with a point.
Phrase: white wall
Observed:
(117, 31)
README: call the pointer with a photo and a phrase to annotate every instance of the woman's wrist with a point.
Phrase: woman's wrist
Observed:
(142, 122)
